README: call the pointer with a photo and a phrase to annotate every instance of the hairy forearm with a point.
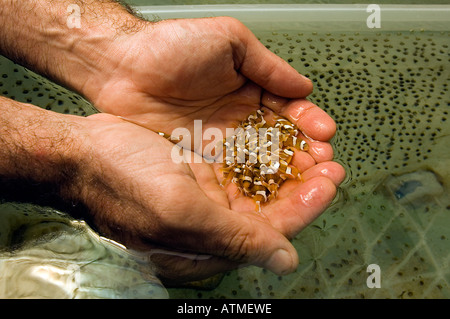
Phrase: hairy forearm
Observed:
(37, 146)
(42, 35)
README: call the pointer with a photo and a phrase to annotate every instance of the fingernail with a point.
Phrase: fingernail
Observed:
(281, 262)
(308, 85)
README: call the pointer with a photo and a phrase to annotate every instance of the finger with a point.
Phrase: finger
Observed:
(319, 151)
(332, 170)
(266, 68)
(309, 118)
(302, 160)
(205, 227)
(281, 210)
(252, 240)
(296, 207)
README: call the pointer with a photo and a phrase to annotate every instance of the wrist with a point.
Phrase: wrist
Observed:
(97, 47)
(38, 35)
(39, 147)
(101, 51)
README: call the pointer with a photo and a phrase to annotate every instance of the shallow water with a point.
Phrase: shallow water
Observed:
(387, 91)
(46, 254)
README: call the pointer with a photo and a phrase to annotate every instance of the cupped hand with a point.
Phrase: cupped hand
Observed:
(179, 215)
(173, 72)
(166, 76)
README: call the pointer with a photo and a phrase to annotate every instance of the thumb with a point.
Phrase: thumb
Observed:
(234, 239)
(250, 239)
(268, 248)
(270, 71)
(238, 237)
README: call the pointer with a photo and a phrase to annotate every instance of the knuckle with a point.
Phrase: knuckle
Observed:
(239, 245)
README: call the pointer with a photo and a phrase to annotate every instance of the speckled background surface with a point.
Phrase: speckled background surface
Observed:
(194, 2)
(388, 93)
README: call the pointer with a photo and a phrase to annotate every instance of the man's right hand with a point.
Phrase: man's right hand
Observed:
(137, 195)
(140, 197)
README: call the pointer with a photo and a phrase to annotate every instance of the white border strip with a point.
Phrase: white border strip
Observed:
(297, 12)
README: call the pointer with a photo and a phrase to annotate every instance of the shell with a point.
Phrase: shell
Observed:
(258, 156)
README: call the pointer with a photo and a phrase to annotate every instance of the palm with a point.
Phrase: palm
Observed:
(170, 86)
(185, 205)
(213, 88)
(226, 111)
(289, 205)
(201, 72)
